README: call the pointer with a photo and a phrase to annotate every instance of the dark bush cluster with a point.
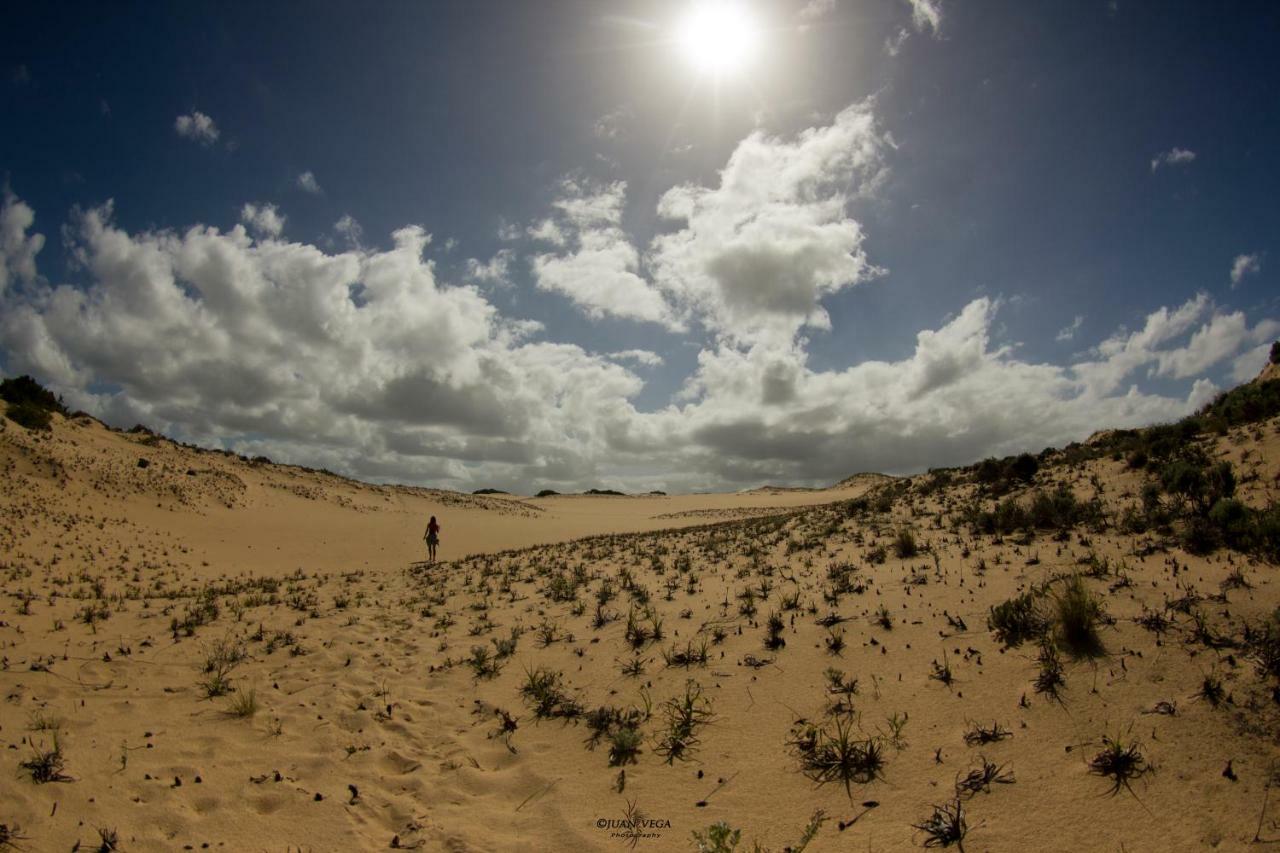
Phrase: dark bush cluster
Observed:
(30, 404)
(1059, 509)
(1002, 475)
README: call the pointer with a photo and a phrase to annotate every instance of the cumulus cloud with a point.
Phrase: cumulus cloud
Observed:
(756, 254)
(1172, 157)
(366, 362)
(1244, 265)
(265, 219)
(307, 183)
(198, 127)
(599, 271)
(1069, 332)
(362, 361)
(18, 250)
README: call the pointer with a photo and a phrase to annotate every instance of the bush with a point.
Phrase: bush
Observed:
(1275, 353)
(904, 545)
(30, 416)
(1077, 612)
(24, 389)
(30, 403)
(1017, 620)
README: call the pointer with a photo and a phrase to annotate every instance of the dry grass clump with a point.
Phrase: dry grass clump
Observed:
(46, 763)
(946, 826)
(837, 754)
(1121, 760)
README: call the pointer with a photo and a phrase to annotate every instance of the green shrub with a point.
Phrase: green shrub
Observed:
(1017, 620)
(1077, 612)
(30, 416)
(904, 544)
(24, 389)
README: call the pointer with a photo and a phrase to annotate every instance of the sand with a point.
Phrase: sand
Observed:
(368, 729)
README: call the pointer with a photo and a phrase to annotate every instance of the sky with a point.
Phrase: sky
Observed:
(573, 244)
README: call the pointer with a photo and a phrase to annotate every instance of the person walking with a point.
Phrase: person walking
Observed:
(432, 537)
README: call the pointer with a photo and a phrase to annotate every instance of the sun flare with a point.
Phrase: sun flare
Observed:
(718, 36)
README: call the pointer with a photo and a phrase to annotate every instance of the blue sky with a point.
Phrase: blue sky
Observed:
(537, 244)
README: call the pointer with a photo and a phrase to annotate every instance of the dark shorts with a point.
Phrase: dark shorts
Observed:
(433, 539)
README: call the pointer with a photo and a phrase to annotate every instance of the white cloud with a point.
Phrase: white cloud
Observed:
(1215, 341)
(496, 271)
(197, 126)
(360, 361)
(600, 271)
(1211, 341)
(307, 183)
(609, 125)
(548, 231)
(815, 10)
(365, 362)
(1069, 332)
(647, 358)
(757, 253)
(893, 43)
(926, 15)
(1244, 265)
(1172, 157)
(17, 250)
(265, 219)
(1249, 363)
(349, 229)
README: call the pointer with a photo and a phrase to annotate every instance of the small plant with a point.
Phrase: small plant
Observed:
(633, 668)
(837, 756)
(10, 835)
(1120, 760)
(834, 641)
(1211, 690)
(483, 663)
(221, 659)
(979, 734)
(980, 778)
(624, 745)
(946, 826)
(244, 703)
(942, 671)
(693, 654)
(717, 838)
(1077, 612)
(39, 721)
(683, 715)
(543, 691)
(773, 632)
(109, 840)
(897, 723)
(46, 763)
(904, 544)
(1017, 620)
(505, 647)
(1049, 680)
(884, 618)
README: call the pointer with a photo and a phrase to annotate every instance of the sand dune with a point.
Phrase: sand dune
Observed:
(239, 655)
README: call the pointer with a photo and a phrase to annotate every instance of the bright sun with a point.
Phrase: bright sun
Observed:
(718, 36)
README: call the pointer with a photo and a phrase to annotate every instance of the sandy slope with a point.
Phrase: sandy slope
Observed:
(371, 730)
